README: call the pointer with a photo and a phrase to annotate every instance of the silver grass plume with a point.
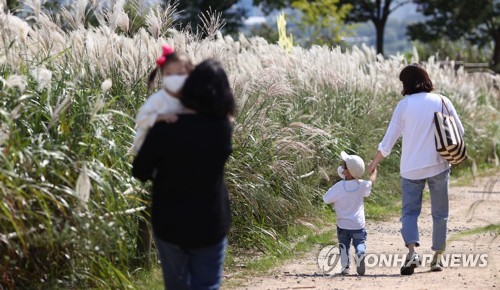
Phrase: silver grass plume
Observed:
(83, 186)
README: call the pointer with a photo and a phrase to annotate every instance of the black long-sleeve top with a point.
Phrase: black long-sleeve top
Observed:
(190, 200)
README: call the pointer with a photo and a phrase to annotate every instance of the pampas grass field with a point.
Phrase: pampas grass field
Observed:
(69, 95)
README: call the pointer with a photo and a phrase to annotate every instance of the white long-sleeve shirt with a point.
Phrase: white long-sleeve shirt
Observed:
(348, 200)
(413, 119)
(158, 103)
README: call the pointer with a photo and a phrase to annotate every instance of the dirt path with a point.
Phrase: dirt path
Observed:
(470, 207)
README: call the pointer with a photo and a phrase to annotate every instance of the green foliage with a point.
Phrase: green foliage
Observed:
(281, 251)
(494, 229)
(321, 22)
(136, 15)
(266, 31)
(56, 242)
(12, 5)
(267, 174)
(458, 50)
(476, 21)
(271, 5)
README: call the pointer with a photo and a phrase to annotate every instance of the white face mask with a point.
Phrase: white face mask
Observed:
(174, 83)
(339, 171)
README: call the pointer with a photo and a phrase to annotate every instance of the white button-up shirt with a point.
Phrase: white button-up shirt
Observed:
(413, 119)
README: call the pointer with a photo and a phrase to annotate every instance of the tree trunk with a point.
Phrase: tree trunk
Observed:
(380, 27)
(495, 59)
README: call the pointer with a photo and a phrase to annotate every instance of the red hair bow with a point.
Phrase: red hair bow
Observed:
(166, 50)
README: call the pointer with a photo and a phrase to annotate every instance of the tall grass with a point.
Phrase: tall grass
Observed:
(69, 92)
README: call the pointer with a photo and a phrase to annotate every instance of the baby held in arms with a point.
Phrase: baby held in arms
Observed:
(162, 105)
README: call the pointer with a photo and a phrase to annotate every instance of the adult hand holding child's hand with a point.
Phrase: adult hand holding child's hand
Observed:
(372, 167)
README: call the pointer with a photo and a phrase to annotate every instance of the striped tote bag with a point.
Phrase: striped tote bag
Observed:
(450, 143)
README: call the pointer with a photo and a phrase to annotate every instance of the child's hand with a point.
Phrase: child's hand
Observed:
(168, 118)
(373, 175)
(372, 167)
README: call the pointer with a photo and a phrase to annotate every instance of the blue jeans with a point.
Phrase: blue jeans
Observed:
(358, 238)
(412, 205)
(186, 268)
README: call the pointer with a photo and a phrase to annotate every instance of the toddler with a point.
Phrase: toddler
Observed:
(174, 68)
(347, 197)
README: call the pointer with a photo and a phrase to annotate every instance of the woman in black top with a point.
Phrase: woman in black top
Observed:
(190, 201)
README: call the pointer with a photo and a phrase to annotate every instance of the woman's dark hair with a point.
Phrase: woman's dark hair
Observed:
(172, 57)
(207, 90)
(415, 80)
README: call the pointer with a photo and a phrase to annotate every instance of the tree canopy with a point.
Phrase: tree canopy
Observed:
(321, 21)
(270, 5)
(477, 21)
(190, 11)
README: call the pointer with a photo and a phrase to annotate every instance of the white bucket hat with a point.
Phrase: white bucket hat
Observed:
(354, 163)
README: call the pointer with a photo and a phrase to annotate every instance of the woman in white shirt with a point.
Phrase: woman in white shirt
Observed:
(420, 162)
